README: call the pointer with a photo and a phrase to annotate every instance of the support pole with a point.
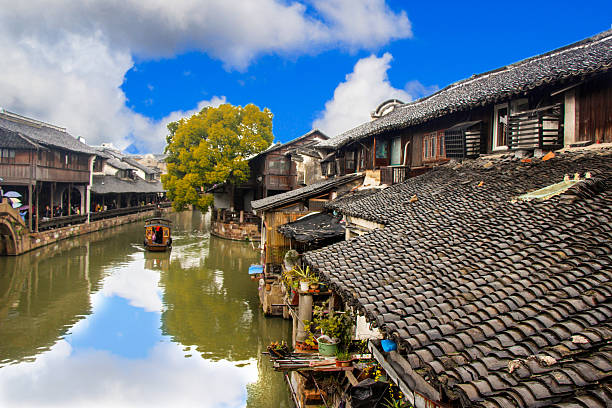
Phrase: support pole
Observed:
(52, 197)
(30, 206)
(70, 199)
(304, 313)
(37, 190)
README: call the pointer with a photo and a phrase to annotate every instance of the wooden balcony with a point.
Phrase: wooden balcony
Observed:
(540, 128)
(280, 181)
(15, 173)
(20, 173)
(394, 174)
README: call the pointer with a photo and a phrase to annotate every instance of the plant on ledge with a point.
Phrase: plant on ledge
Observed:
(336, 325)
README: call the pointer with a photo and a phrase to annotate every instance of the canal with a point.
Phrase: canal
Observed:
(96, 321)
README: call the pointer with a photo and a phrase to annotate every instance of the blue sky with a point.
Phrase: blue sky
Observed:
(128, 67)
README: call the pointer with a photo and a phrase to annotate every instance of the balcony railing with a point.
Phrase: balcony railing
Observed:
(225, 215)
(280, 182)
(540, 128)
(394, 174)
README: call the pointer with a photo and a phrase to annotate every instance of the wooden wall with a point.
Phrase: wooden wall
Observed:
(594, 111)
(276, 243)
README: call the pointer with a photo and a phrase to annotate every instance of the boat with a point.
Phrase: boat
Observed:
(158, 237)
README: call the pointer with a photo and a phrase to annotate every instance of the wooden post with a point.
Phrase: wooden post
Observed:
(30, 206)
(52, 197)
(37, 206)
(304, 313)
(69, 199)
(241, 216)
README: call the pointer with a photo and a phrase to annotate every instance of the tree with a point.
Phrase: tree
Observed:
(211, 147)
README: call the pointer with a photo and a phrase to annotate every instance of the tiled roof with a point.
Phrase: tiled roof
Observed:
(12, 140)
(585, 57)
(495, 302)
(113, 184)
(134, 163)
(277, 146)
(43, 133)
(314, 227)
(118, 164)
(311, 190)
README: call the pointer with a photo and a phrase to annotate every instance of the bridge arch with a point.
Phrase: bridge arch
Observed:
(8, 241)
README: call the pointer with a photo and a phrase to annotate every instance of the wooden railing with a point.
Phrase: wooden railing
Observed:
(394, 174)
(280, 181)
(540, 128)
(225, 215)
(59, 222)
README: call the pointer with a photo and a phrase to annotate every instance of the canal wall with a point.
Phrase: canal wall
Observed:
(30, 241)
(238, 231)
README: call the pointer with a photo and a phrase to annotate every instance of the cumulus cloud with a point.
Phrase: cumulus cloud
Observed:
(364, 88)
(66, 65)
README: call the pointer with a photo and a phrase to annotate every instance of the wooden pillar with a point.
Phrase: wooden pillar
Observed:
(570, 131)
(70, 199)
(30, 206)
(37, 190)
(52, 197)
(241, 216)
(304, 313)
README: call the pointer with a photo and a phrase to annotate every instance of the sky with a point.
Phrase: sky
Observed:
(119, 70)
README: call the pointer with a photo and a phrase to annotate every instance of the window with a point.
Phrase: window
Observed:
(350, 161)
(433, 146)
(7, 156)
(381, 149)
(279, 165)
(396, 151)
(501, 113)
(441, 147)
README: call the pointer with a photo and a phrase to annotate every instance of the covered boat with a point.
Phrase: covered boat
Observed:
(158, 234)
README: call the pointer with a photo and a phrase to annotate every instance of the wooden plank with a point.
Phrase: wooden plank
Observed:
(351, 378)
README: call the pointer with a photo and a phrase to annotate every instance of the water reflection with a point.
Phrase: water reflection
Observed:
(98, 322)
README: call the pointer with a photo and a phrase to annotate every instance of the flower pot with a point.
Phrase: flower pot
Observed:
(343, 363)
(304, 286)
(328, 349)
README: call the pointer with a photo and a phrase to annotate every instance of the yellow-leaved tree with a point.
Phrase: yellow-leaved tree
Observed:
(211, 147)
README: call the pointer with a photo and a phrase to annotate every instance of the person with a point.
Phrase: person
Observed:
(159, 235)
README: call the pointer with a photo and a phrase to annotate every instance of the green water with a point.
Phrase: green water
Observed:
(97, 322)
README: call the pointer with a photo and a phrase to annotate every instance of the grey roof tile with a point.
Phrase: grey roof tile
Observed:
(43, 133)
(467, 308)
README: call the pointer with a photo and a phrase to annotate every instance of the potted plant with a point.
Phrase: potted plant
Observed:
(343, 358)
(314, 282)
(305, 276)
(336, 329)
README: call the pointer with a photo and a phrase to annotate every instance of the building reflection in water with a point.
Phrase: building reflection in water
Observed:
(83, 317)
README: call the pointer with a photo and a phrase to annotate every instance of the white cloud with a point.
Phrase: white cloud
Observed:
(61, 377)
(66, 65)
(363, 90)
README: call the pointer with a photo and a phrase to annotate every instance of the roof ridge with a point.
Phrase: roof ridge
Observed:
(15, 117)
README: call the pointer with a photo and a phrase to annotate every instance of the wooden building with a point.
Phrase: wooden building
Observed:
(278, 169)
(49, 167)
(119, 181)
(546, 102)
(284, 208)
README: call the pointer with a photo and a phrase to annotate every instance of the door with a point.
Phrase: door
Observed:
(396, 151)
(500, 127)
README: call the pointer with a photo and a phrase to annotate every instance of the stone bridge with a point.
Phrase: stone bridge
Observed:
(13, 230)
